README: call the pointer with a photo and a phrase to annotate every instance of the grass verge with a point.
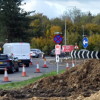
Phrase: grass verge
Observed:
(21, 84)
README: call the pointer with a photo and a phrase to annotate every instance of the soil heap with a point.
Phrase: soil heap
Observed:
(83, 79)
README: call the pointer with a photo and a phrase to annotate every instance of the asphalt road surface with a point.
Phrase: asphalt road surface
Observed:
(31, 71)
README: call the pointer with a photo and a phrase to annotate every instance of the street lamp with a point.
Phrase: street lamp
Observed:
(83, 30)
(65, 31)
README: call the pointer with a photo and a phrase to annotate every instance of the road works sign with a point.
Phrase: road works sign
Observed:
(85, 42)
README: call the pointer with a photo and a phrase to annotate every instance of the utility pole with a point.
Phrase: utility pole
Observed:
(83, 30)
(65, 31)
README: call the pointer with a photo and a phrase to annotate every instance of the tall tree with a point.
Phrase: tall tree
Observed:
(13, 20)
(39, 25)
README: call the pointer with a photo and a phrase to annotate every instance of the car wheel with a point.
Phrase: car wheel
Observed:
(37, 56)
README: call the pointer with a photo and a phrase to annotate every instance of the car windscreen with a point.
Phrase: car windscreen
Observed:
(33, 50)
(3, 57)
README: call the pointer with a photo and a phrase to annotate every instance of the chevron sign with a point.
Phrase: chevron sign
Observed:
(85, 54)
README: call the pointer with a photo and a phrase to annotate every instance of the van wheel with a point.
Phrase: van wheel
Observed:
(17, 69)
(27, 65)
(12, 70)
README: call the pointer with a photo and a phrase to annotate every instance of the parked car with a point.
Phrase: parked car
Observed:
(6, 62)
(36, 53)
(53, 53)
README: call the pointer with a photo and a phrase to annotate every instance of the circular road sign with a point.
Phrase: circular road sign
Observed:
(85, 42)
(58, 39)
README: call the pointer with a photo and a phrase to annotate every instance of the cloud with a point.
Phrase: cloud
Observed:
(56, 8)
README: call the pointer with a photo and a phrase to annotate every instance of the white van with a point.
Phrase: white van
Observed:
(19, 51)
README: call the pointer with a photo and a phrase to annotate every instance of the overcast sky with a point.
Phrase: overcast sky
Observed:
(56, 8)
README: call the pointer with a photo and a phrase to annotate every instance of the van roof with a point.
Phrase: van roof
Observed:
(17, 43)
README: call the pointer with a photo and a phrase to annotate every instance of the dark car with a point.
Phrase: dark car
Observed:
(10, 64)
(62, 54)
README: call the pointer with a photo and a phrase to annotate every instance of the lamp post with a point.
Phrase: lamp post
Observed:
(83, 30)
(65, 31)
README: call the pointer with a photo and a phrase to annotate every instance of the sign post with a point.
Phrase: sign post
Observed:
(57, 52)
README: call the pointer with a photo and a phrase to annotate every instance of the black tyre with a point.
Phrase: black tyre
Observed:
(12, 70)
(17, 69)
(27, 65)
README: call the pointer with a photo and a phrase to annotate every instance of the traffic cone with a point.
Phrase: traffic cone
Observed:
(37, 68)
(73, 64)
(23, 71)
(45, 65)
(67, 66)
(31, 61)
(6, 79)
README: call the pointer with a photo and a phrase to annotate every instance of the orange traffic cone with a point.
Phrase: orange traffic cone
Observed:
(67, 66)
(73, 64)
(6, 79)
(23, 71)
(45, 65)
(37, 68)
(31, 61)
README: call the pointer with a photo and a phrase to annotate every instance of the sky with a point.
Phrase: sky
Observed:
(57, 8)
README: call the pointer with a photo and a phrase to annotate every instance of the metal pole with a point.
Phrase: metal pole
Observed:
(65, 31)
(83, 30)
(57, 68)
(57, 60)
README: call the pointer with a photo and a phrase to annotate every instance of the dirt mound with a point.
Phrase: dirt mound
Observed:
(81, 80)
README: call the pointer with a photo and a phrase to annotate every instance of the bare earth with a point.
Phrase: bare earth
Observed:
(81, 82)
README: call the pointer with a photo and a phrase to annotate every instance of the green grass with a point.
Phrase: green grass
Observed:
(21, 84)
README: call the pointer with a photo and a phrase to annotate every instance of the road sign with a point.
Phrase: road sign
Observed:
(67, 48)
(57, 49)
(85, 54)
(85, 42)
(76, 47)
(57, 58)
(58, 39)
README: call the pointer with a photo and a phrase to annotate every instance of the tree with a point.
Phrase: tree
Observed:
(45, 44)
(13, 20)
(73, 14)
(54, 29)
(39, 25)
(96, 19)
(94, 42)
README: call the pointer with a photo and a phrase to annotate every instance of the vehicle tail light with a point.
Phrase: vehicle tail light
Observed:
(7, 60)
(9, 67)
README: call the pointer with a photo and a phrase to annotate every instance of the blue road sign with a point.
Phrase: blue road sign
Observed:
(85, 42)
(58, 39)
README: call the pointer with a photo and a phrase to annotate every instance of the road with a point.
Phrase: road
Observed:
(31, 71)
